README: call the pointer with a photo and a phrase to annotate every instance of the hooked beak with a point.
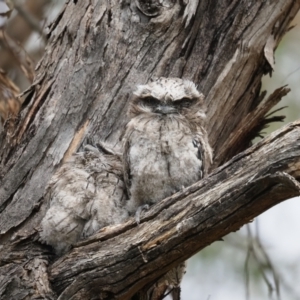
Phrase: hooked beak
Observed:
(165, 109)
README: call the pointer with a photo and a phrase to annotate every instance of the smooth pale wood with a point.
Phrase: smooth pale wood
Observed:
(97, 52)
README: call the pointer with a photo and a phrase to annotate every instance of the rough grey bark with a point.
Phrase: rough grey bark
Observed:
(184, 223)
(97, 52)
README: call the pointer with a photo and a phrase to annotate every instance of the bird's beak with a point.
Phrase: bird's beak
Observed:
(165, 109)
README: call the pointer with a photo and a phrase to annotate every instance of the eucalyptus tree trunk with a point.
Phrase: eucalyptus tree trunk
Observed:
(97, 52)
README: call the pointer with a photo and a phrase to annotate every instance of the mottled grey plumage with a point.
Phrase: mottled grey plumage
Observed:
(165, 144)
(165, 147)
(86, 194)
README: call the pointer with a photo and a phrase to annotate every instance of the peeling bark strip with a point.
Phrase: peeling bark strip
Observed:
(97, 52)
(183, 224)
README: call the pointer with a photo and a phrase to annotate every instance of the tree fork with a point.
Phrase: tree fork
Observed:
(97, 52)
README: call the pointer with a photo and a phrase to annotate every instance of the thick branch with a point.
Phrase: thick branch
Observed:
(96, 56)
(97, 52)
(181, 225)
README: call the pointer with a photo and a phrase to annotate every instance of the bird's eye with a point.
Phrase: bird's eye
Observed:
(150, 101)
(184, 102)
